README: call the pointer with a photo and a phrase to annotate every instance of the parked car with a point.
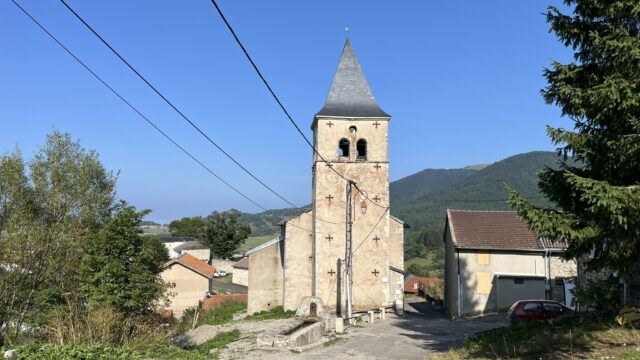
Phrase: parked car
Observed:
(532, 310)
(220, 273)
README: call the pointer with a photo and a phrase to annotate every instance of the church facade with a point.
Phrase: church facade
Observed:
(350, 135)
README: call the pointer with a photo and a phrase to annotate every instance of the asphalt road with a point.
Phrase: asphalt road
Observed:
(415, 336)
(233, 288)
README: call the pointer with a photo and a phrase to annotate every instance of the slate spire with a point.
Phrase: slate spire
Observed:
(350, 95)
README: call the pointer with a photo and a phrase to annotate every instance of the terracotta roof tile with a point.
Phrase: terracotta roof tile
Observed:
(412, 283)
(194, 264)
(492, 230)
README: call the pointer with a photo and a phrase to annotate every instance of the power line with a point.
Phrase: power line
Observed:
(133, 107)
(179, 112)
(275, 97)
(370, 232)
(144, 117)
(175, 108)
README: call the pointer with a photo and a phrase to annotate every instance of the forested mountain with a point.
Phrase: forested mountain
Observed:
(421, 199)
(426, 182)
(266, 222)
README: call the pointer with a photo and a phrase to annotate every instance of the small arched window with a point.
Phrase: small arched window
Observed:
(361, 149)
(343, 148)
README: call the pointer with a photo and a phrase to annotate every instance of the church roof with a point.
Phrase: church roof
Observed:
(350, 94)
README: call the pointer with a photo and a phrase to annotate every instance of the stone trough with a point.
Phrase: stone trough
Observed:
(308, 328)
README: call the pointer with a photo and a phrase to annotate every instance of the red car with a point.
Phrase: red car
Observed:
(532, 310)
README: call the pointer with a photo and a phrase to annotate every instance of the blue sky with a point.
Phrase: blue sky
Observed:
(460, 78)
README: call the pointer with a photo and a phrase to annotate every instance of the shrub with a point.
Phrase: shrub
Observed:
(102, 325)
(76, 351)
(277, 312)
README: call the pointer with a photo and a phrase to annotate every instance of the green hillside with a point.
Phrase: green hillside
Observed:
(426, 182)
(482, 190)
(266, 222)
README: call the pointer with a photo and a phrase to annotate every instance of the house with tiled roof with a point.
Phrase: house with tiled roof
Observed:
(412, 283)
(493, 259)
(189, 280)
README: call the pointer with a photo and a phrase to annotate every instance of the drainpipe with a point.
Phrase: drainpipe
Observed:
(547, 274)
(459, 287)
(550, 274)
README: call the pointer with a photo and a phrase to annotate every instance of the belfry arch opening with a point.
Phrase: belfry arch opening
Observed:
(361, 149)
(343, 148)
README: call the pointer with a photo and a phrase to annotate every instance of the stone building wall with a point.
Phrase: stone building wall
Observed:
(298, 260)
(186, 288)
(376, 238)
(240, 276)
(561, 269)
(265, 279)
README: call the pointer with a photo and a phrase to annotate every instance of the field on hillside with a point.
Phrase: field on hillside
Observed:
(254, 241)
(157, 230)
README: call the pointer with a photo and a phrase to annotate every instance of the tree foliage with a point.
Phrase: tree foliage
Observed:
(224, 233)
(48, 209)
(598, 197)
(121, 267)
(188, 226)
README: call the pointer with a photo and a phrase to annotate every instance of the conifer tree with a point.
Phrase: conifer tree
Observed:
(596, 189)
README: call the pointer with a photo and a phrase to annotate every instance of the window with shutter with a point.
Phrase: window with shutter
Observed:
(483, 283)
(483, 258)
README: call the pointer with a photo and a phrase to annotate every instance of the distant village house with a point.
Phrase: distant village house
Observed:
(189, 280)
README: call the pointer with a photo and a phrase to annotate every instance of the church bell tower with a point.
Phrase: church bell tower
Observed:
(351, 134)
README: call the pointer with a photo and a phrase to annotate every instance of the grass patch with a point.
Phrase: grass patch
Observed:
(158, 350)
(221, 314)
(578, 337)
(275, 313)
(76, 351)
(332, 342)
(254, 241)
(199, 352)
(225, 279)
(220, 341)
